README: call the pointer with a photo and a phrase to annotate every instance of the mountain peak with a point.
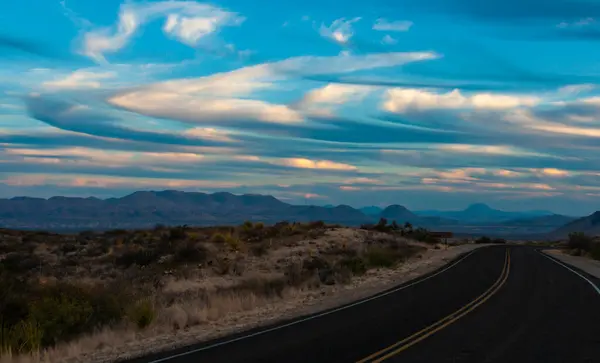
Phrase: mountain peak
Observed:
(478, 207)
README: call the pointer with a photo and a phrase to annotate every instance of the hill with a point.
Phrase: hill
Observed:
(589, 225)
(481, 213)
(148, 208)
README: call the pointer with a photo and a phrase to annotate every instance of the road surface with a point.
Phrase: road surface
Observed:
(498, 304)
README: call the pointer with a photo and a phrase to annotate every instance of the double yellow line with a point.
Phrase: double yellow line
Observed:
(406, 343)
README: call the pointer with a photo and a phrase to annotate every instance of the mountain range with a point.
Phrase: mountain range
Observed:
(145, 209)
(483, 213)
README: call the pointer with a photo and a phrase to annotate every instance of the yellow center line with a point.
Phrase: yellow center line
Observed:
(444, 322)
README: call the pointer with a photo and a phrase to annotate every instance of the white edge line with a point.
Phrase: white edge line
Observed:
(312, 316)
(570, 269)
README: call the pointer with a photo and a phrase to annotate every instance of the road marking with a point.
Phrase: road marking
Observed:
(444, 322)
(360, 302)
(570, 269)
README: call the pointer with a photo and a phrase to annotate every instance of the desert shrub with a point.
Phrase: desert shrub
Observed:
(483, 239)
(356, 265)
(422, 235)
(259, 249)
(142, 313)
(233, 242)
(259, 226)
(380, 257)
(20, 263)
(579, 240)
(499, 240)
(61, 312)
(141, 257)
(595, 251)
(177, 233)
(191, 253)
(218, 238)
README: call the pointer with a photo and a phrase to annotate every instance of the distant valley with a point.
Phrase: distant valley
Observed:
(145, 209)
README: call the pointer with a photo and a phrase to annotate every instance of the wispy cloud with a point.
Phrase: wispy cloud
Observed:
(79, 79)
(186, 21)
(382, 24)
(340, 30)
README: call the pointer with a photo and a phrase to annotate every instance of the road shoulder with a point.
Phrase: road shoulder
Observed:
(587, 265)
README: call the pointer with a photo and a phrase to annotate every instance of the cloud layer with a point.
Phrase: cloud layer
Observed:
(347, 105)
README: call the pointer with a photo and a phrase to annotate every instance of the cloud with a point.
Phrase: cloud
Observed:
(80, 118)
(388, 39)
(339, 31)
(382, 24)
(79, 79)
(227, 97)
(400, 100)
(321, 101)
(186, 21)
(315, 164)
(579, 23)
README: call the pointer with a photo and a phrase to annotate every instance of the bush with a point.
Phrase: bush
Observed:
(483, 239)
(191, 253)
(355, 264)
(140, 257)
(579, 240)
(218, 238)
(142, 313)
(595, 251)
(380, 257)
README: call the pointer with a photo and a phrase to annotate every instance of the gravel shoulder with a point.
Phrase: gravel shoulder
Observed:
(583, 263)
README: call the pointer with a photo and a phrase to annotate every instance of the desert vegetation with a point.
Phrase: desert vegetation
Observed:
(58, 288)
(580, 244)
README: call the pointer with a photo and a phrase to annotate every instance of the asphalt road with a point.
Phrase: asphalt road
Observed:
(504, 304)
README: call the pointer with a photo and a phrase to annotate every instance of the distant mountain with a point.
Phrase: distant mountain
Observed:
(554, 220)
(371, 211)
(148, 208)
(481, 213)
(398, 213)
(589, 225)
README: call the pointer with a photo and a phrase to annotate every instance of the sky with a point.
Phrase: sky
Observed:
(429, 104)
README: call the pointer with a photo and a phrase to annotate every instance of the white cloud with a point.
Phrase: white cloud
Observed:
(340, 30)
(397, 26)
(402, 99)
(576, 88)
(579, 23)
(388, 39)
(227, 96)
(314, 164)
(80, 79)
(187, 21)
(321, 100)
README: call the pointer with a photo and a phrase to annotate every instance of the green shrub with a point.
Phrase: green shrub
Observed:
(380, 257)
(142, 313)
(62, 313)
(218, 238)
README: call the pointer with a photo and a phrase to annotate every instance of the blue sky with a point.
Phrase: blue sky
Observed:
(428, 104)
